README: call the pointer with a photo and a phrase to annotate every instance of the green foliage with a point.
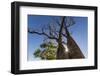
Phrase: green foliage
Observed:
(37, 53)
(47, 51)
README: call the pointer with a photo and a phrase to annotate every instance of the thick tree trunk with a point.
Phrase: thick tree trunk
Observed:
(74, 50)
(61, 54)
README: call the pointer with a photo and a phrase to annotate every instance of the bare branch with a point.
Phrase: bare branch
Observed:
(55, 20)
(69, 21)
(52, 31)
(42, 33)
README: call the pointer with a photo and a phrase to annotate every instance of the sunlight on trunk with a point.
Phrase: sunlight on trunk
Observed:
(66, 48)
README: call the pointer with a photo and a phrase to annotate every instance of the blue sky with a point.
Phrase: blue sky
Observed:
(79, 33)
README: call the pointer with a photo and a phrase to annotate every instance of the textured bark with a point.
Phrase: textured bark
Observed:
(61, 54)
(74, 50)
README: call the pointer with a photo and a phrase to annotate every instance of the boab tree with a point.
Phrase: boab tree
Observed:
(74, 50)
(57, 33)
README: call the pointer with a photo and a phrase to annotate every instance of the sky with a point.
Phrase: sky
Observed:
(79, 33)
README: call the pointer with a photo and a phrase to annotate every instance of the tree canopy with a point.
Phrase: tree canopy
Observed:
(47, 51)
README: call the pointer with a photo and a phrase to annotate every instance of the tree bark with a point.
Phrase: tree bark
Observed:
(74, 50)
(61, 50)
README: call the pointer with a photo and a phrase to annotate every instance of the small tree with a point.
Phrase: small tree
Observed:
(37, 53)
(47, 51)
